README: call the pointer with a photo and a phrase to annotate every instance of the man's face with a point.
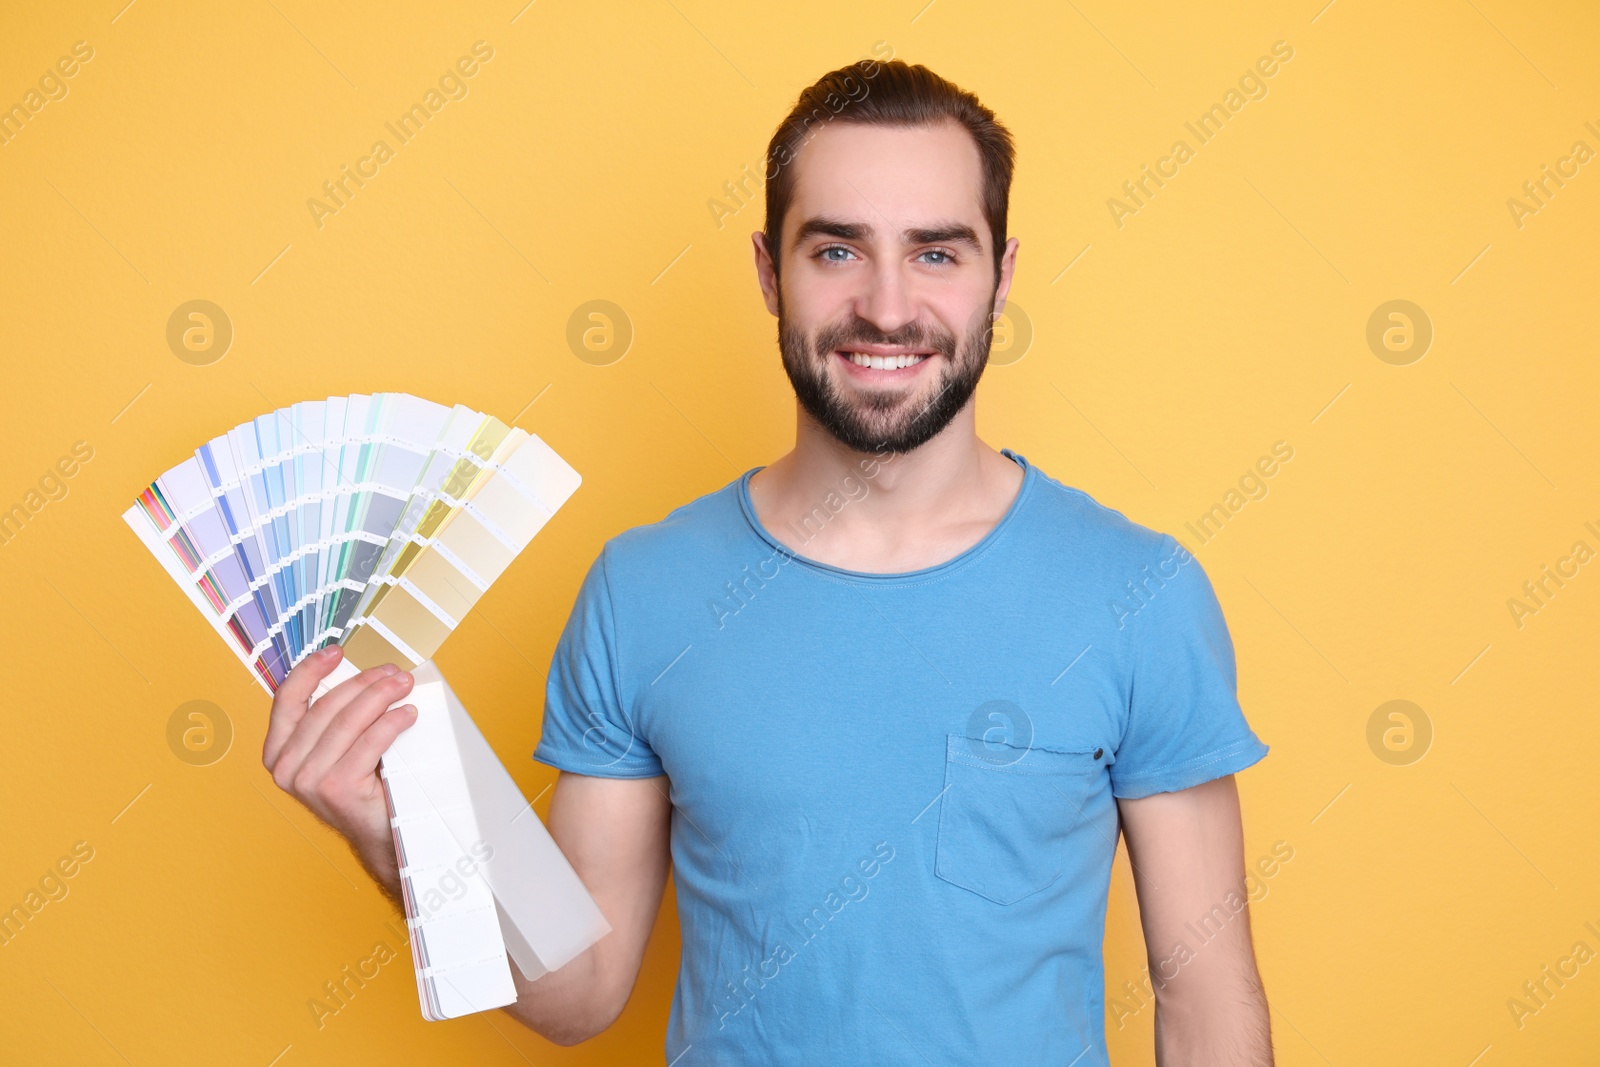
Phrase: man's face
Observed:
(887, 290)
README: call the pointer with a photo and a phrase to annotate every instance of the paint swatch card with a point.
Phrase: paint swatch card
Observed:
(376, 523)
(481, 877)
(372, 522)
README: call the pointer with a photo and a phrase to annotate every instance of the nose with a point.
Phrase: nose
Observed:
(887, 301)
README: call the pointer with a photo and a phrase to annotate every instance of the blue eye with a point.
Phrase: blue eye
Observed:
(842, 254)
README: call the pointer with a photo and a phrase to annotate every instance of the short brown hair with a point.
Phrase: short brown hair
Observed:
(899, 94)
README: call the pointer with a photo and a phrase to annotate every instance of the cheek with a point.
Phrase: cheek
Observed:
(813, 298)
(818, 311)
(973, 334)
(963, 308)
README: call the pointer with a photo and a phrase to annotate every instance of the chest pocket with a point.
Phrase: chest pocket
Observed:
(1010, 817)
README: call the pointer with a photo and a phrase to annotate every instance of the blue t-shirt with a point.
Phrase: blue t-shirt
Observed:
(893, 794)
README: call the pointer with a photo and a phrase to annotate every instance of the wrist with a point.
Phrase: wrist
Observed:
(376, 853)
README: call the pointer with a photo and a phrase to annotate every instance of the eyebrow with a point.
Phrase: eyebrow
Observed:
(944, 233)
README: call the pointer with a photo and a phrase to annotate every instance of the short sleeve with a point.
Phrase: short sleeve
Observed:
(1184, 723)
(587, 728)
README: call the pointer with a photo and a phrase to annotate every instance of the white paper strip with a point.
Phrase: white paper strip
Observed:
(483, 877)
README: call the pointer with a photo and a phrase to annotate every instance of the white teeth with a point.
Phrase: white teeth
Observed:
(862, 359)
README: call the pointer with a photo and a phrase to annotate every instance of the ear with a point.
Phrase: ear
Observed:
(1008, 267)
(766, 271)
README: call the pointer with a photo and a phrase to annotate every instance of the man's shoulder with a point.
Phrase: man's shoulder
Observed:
(1095, 533)
(1082, 512)
(707, 526)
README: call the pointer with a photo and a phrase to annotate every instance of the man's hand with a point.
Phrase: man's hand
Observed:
(615, 832)
(325, 754)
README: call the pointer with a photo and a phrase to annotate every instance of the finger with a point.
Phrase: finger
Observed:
(290, 702)
(308, 730)
(303, 680)
(330, 703)
(361, 761)
(351, 720)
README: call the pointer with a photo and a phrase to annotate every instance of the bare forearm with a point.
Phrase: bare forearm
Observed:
(625, 870)
(1214, 1024)
(565, 1006)
(574, 1003)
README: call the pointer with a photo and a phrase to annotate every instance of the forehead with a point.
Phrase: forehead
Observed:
(908, 175)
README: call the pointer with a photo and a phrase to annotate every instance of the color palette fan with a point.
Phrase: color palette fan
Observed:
(376, 522)
(370, 521)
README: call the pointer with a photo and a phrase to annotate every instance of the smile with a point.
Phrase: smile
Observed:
(868, 359)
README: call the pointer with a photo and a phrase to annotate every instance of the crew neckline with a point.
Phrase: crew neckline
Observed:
(961, 559)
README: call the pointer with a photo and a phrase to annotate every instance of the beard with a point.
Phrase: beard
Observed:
(884, 420)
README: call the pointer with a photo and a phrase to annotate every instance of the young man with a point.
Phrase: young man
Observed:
(884, 705)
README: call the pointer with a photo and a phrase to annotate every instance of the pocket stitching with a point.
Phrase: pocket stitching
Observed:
(955, 756)
(956, 753)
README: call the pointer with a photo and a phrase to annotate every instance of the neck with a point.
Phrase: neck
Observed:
(884, 512)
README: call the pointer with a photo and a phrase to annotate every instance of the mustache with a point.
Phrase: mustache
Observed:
(914, 334)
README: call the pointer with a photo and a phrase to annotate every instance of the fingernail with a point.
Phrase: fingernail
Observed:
(388, 668)
(403, 677)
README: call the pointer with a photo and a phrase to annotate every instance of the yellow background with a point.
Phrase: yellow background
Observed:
(1227, 314)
